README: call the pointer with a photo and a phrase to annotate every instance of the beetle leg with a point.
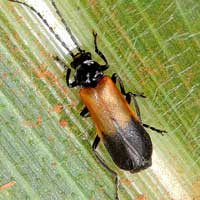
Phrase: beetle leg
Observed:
(115, 77)
(102, 162)
(155, 129)
(104, 67)
(62, 63)
(128, 95)
(73, 83)
(128, 98)
(99, 52)
(137, 109)
(85, 113)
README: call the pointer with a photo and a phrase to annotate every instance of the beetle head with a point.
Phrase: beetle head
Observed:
(87, 71)
(79, 58)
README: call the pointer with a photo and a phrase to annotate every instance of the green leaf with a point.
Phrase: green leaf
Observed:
(45, 146)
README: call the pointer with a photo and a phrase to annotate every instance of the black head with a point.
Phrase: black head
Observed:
(87, 71)
(79, 58)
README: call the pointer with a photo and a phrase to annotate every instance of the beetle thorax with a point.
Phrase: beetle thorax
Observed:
(88, 73)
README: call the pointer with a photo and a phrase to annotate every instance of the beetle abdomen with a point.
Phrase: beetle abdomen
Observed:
(130, 148)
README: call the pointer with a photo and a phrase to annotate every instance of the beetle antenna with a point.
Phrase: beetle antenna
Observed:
(46, 23)
(66, 26)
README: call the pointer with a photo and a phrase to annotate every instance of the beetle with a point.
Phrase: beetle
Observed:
(118, 126)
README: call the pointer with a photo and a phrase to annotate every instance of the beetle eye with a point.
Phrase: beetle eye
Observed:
(88, 54)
